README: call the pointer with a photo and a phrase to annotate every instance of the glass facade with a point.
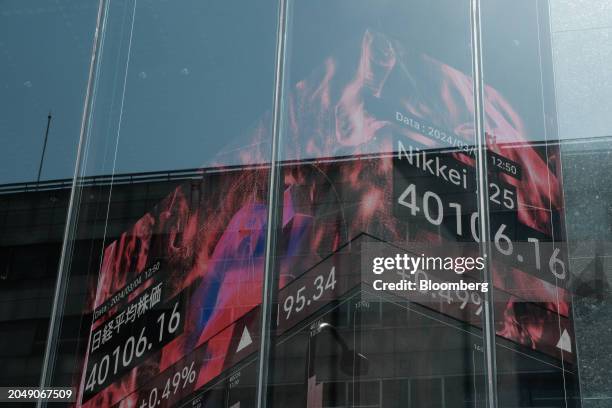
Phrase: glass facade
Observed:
(252, 179)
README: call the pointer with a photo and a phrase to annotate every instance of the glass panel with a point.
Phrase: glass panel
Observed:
(539, 285)
(377, 162)
(582, 54)
(45, 49)
(164, 262)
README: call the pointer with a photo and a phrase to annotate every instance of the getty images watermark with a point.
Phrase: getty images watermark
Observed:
(422, 268)
(404, 265)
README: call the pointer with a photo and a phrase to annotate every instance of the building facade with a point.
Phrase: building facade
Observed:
(248, 176)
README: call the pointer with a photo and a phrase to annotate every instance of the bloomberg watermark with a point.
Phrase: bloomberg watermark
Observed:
(422, 268)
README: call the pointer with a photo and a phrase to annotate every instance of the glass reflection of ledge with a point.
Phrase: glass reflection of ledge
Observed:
(573, 146)
(117, 179)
